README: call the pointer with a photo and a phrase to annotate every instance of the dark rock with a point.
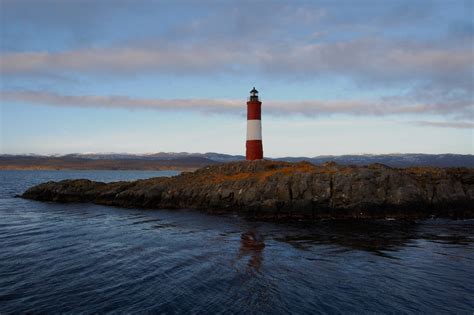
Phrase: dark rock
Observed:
(269, 189)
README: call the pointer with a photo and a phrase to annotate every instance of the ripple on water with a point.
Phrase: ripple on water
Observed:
(94, 259)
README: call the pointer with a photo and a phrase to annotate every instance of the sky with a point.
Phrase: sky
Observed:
(335, 77)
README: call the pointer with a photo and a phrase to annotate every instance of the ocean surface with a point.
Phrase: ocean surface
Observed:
(84, 258)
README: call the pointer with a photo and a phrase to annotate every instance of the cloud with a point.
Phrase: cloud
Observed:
(124, 61)
(426, 62)
(54, 99)
(364, 60)
(370, 56)
(446, 124)
(387, 107)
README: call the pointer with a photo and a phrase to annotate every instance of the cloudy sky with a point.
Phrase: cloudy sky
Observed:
(335, 77)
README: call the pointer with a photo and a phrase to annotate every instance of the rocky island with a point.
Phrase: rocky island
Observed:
(281, 190)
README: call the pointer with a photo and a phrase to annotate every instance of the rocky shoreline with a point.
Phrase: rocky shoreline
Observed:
(280, 190)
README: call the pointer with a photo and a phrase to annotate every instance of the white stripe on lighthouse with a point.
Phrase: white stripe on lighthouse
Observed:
(254, 129)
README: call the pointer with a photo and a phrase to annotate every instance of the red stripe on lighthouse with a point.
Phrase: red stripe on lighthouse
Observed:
(254, 150)
(254, 110)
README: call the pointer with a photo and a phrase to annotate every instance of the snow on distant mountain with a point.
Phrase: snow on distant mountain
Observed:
(218, 157)
(395, 160)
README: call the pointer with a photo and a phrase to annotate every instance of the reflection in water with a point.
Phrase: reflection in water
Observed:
(376, 236)
(252, 244)
(255, 288)
(372, 236)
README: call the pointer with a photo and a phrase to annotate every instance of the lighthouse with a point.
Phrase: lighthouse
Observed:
(254, 127)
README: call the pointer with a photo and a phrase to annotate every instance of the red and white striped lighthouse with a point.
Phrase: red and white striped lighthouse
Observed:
(254, 127)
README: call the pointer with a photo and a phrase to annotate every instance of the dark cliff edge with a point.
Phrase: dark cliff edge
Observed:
(282, 190)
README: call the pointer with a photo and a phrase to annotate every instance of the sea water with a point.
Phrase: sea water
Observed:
(86, 258)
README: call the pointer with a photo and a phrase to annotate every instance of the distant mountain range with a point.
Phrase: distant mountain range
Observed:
(190, 161)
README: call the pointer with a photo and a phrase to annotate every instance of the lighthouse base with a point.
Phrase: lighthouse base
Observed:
(254, 150)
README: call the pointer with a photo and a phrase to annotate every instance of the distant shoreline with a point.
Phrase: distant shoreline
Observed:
(192, 161)
(82, 163)
(53, 168)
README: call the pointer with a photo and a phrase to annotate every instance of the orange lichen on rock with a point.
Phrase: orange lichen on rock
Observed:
(220, 178)
(343, 170)
(302, 167)
(297, 168)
